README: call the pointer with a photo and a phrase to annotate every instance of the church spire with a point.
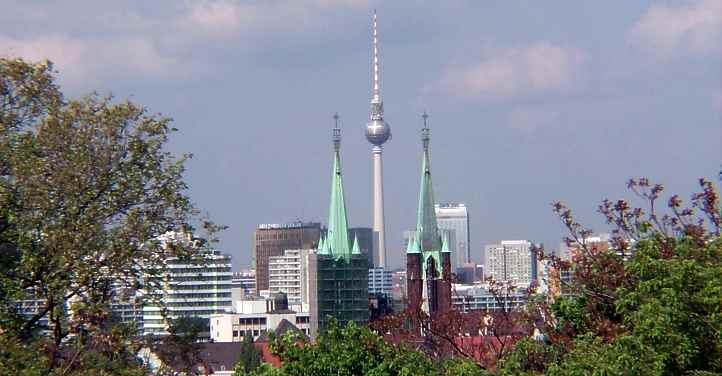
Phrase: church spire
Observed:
(426, 226)
(337, 240)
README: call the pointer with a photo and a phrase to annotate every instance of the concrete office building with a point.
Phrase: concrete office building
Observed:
(454, 217)
(272, 239)
(511, 261)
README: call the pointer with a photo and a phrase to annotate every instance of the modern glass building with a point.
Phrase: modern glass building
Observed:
(455, 217)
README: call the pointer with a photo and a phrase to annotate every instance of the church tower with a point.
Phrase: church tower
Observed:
(428, 259)
(337, 271)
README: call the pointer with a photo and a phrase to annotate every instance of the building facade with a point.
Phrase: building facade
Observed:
(288, 274)
(511, 261)
(256, 317)
(380, 281)
(188, 288)
(469, 298)
(454, 217)
(243, 284)
(428, 258)
(272, 239)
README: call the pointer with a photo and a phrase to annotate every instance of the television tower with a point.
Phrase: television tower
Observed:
(377, 133)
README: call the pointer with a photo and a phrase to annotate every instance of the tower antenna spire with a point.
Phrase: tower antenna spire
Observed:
(377, 83)
(336, 135)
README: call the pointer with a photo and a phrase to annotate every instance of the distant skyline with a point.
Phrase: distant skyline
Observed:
(528, 104)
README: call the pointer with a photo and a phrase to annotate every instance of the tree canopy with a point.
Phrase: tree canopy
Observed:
(86, 189)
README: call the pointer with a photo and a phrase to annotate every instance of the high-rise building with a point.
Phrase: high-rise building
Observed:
(338, 271)
(510, 261)
(428, 259)
(378, 132)
(288, 274)
(272, 239)
(455, 217)
(380, 281)
(243, 284)
(189, 288)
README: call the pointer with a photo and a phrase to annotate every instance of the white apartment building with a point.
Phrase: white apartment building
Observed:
(189, 288)
(380, 281)
(243, 284)
(511, 261)
(454, 217)
(288, 274)
(256, 317)
(466, 298)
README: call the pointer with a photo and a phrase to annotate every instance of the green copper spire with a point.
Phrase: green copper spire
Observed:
(427, 230)
(337, 240)
(356, 249)
(322, 246)
(445, 243)
(426, 227)
(413, 246)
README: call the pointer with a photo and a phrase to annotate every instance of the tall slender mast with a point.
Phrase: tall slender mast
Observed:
(377, 133)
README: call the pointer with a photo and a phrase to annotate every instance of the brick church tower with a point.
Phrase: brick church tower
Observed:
(428, 260)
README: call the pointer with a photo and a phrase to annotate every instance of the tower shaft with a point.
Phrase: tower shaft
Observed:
(378, 225)
(377, 133)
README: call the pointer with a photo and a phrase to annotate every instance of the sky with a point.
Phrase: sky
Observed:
(529, 103)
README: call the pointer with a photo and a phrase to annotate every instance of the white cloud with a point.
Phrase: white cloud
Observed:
(89, 61)
(664, 31)
(130, 45)
(219, 17)
(228, 18)
(514, 72)
(528, 120)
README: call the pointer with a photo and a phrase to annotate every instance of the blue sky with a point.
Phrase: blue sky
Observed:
(529, 103)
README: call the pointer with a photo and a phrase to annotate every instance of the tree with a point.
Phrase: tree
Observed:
(358, 350)
(86, 189)
(651, 304)
(180, 351)
(250, 357)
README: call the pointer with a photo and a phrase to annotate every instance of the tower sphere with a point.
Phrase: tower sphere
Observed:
(378, 131)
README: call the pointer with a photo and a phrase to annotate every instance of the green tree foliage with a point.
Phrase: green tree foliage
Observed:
(250, 357)
(180, 349)
(659, 312)
(86, 188)
(357, 350)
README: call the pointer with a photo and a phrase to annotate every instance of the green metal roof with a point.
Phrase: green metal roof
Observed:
(337, 242)
(427, 229)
